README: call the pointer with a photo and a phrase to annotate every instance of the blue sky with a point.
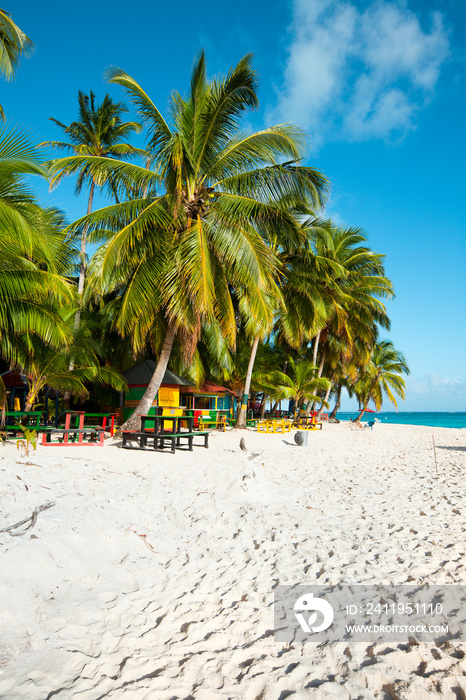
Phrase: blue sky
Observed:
(379, 87)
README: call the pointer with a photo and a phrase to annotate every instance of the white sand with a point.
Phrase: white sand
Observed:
(152, 577)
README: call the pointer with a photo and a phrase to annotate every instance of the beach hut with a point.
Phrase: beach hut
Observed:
(209, 399)
(138, 378)
(17, 388)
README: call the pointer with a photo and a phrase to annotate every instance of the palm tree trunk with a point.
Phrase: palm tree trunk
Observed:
(264, 403)
(333, 416)
(30, 398)
(321, 366)
(316, 347)
(241, 422)
(321, 409)
(82, 276)
(319, 374)
(361, 413)
(144, 405)
(82, 267)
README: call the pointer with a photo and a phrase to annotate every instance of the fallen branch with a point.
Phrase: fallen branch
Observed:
(32, 519)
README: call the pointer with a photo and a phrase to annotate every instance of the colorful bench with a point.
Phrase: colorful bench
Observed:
(161, 440)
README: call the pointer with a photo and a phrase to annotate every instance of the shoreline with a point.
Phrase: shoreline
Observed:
(152, 576)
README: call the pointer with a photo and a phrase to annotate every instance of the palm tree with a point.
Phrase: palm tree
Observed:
(33, 252)
(257, 312)
(299, 383)
(282, 303)
(200, 229)
(13, 43)
(381, 376)
(65, 368)
(100, 132)
(34, 255)
(355, 287)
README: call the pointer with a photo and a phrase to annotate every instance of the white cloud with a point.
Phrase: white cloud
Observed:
(436, 393)
(360, 74)
(429, 393)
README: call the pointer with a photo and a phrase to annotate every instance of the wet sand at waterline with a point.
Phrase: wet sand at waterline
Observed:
(152, 576)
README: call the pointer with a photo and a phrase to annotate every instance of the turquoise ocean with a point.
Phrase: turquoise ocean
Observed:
(437, 420)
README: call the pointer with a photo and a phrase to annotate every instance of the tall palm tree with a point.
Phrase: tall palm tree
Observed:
(282, 303)
(99, 132)
(257, 312)
(13, 43)
(356, 286)
(381, 376)
(177, 254)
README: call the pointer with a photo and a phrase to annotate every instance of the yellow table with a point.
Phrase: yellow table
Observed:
(274, 425)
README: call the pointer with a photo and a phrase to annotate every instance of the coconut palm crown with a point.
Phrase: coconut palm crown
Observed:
(204, 212)
(13, 43)
(382, 377)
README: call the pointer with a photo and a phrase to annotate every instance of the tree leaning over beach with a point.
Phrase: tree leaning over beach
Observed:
(214, 195)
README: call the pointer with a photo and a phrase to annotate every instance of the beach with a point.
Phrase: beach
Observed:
(152, 575)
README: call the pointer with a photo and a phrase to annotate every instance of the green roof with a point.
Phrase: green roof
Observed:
(142, 374)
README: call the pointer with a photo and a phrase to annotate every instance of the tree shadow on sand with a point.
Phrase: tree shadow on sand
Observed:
(450, 447)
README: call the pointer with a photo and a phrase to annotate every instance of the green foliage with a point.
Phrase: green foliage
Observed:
(30, 439)
(34, 254)
(217, 194)
(299, 383)
(99, 132)
(13, 43)
(66, 368)
(381, 376)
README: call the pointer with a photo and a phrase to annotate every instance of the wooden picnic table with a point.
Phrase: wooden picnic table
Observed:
(105, 416)
(32, 422)
(307, 423)
(161, 435)
(161, 421)
(219, 423)
(79, 417)
(274, 425)
(85, 436)
(20, 415)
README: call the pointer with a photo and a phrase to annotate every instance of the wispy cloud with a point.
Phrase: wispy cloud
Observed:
(436, 393)
(429, 393)
(359, 74)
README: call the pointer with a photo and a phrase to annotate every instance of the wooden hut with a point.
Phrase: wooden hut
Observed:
(17, 388)
(138, 378)
(209, 399)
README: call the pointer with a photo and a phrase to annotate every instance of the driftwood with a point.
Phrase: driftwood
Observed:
(31, 520)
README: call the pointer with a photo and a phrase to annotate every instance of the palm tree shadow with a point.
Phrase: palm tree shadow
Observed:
(450, 447)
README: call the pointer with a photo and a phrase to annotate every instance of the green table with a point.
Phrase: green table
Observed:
(105, 416)
(32, 422)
